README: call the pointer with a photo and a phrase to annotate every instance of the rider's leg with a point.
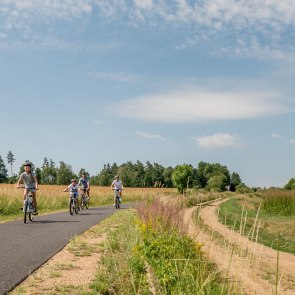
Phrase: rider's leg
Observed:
(34, 200)
(77, 202)
(24, 198)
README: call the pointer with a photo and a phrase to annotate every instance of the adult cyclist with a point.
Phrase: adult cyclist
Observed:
(29, 178)
(84, 184)
(118, 186)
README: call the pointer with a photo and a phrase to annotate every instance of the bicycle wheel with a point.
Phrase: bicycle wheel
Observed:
(32, 209)
(87, 203)
(76, 209)
(26, 210)
(72, 206)
(117, 203)
(82, 202)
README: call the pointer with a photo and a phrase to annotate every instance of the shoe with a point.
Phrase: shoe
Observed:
(35, 213)
(78, 209)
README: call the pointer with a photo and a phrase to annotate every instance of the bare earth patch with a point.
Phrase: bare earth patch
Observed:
(243, 261)
(68, 272)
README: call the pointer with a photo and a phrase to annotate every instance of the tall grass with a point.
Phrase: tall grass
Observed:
(279, 202)
(176, 261)
(52, 198)
(248, 216)
(148, 253)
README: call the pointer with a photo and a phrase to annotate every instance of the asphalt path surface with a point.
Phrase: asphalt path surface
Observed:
(25, 247)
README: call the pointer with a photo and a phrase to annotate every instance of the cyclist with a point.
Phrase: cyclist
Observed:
(73, 188)
(84, 184)
(118, 186)
(28, 177)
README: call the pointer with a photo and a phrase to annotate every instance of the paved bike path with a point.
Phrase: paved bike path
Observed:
(25, 247)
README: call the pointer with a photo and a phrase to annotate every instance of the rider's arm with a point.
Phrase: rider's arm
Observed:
(18, 182)
(112, 185)
(67, 189)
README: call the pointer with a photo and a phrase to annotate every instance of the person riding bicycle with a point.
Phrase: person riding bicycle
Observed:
(73, 188)
(118, 186)
(29, 178)
(84, 184)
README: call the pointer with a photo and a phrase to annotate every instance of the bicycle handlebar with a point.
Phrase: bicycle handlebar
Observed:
(26, 187)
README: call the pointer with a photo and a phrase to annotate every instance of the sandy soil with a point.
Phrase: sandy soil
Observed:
(250, 264)
(65, 273)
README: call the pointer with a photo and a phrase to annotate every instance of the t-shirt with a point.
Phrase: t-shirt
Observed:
(73, 188)
(117, 184)
(28, 179)
(84, 182)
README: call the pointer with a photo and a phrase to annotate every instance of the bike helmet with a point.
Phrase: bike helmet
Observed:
(28, 163)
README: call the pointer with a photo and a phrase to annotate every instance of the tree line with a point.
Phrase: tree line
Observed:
(210, 176)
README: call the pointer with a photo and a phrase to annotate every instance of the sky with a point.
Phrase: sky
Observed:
(91, 82)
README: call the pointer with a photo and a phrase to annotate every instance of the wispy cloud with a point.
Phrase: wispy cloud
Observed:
(120, 77)
(146, 135)
(218, 141)
(203, 105)
(276, 135)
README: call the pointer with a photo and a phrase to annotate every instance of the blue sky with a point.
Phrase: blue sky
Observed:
(180, 81)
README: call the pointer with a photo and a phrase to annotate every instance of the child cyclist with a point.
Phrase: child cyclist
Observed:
(31, 183)
(118, 186)
(73, 188)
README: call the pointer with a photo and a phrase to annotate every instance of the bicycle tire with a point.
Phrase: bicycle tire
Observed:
(82, 202)
(75, 206)
(32, 209)
(72, 206)
(117, 203)
(87, 203)
(26, 210)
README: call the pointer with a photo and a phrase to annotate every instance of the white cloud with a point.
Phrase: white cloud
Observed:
(203, 105)
(276, 135)
(146, 135)
(292, 141)
(212, 21)
(218, 141)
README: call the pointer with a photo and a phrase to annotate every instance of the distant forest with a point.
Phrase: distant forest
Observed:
(209, 176)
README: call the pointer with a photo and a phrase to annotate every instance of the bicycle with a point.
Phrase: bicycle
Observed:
(73, 205)
(28, 206)
(84, 199)
(117, 199)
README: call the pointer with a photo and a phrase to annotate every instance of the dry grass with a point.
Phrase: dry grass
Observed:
(52, 198)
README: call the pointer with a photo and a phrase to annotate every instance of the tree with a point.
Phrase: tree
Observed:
(290, 185)
(217, 183)
(235, 180)
(167, 174)
(181, 176)
(64, 173)
(10, 160)
(48, 172)
(3, 171)
(105, 176)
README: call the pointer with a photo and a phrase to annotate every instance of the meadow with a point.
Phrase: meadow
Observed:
(51, 198)
(266, 217)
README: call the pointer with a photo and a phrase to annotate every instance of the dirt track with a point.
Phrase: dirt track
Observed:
(249, 263)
